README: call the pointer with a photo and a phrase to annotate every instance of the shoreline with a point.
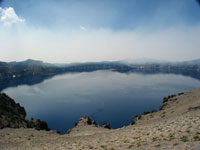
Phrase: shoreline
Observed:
(175, 126)
(88, 121)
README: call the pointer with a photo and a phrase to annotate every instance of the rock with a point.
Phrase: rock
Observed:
(135, 119)
(163, 106)
(180, 93)
(8, 105)
(13, 115)
(193, 108)
(171, 96)
(139, 117)
(69, 131)
(165, 99)
(145, 113)
(133, 122)
(37, 124)
(153, 111)
(106, 125)
(85, 120)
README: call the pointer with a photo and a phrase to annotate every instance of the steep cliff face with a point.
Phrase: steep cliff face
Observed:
(13, 115)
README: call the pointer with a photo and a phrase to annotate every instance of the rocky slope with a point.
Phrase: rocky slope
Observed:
(175, 126)
(13, 115)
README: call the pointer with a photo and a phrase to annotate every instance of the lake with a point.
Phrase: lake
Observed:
(102, 95)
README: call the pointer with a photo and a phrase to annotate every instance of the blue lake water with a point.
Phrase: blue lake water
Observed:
(102, 95)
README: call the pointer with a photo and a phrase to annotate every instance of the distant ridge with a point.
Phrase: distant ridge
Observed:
(140, 61)
(192, 62)
(30, 67)
(155, 61)
(144, 61)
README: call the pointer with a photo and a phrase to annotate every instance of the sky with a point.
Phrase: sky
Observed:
(64, 31)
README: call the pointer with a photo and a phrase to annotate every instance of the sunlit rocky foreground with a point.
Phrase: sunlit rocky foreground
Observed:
(175, 126)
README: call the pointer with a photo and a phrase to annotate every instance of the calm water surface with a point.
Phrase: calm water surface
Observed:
(103, 95)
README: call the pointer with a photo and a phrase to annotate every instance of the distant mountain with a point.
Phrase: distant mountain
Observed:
(25, 68)
(30, 62)
(144, 61)
(192, 62)
(34, 67)
(31, 67)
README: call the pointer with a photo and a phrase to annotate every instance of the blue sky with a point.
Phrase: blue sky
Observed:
(98, 30)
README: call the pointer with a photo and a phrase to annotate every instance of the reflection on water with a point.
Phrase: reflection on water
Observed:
(28, 80)
(103, 95)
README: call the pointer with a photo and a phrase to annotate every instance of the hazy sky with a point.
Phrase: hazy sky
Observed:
(99, 30)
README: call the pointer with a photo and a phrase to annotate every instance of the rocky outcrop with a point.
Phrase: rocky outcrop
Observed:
(37, 124)
(12, 115)
(85, 120)
(106, 125)
(87, 126)
(193, 108)
(167, 99)
(165, 104)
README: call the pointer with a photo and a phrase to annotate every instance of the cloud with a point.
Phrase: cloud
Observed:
(8, 16)
(177, 43)
(82, 28)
